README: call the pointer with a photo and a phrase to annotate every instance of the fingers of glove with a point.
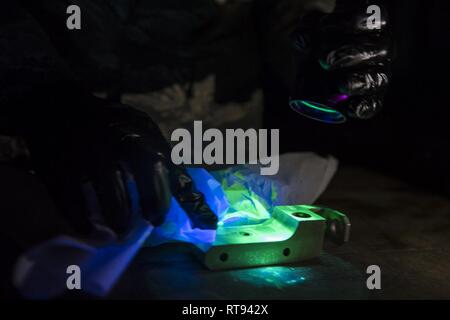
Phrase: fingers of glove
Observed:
(152, 181)
(113, 198)
(161, 185)
(368, 20)
(200, 214)
(364, 107)
(368, 23)
(125, 122)
(362, 83)
(192, 201)
(353, 56)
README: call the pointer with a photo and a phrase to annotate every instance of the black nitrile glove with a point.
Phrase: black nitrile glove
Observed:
(104, 146)
(80, 145)
(343, 63)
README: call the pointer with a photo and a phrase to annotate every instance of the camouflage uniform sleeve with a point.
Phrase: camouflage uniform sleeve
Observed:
(28, 63)
(40, 58)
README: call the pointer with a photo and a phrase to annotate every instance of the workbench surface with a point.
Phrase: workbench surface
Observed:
(403, 230)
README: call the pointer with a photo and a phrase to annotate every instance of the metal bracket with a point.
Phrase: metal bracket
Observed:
(338, 225)
(294, 233)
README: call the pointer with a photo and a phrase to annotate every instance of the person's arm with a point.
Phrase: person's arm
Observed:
(41, 60)
(30, 69)
(75, 138)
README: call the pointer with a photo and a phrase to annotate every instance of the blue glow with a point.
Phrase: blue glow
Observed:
(178, 227)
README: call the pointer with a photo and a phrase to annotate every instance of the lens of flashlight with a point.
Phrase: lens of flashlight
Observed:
(317, 111)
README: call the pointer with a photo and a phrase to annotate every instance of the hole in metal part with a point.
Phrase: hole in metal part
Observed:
(245, 234)
(301, 215)
(286, 252)
(223, 257)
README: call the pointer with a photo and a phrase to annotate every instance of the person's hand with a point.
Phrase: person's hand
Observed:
(103, 149)
(344, 63)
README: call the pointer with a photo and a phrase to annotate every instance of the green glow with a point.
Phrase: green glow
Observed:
(278, 277)
(316, 106)
(291, 234)
(246, 207)
(255, 232)
(324, 65)
(267, 231)
(276, 229)
(317, 111)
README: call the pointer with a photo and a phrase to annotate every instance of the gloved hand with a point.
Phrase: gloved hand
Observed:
(105, 147)
(343, 63)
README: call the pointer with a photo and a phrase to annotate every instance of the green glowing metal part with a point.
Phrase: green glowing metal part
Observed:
(292, 234)
(246, 206)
